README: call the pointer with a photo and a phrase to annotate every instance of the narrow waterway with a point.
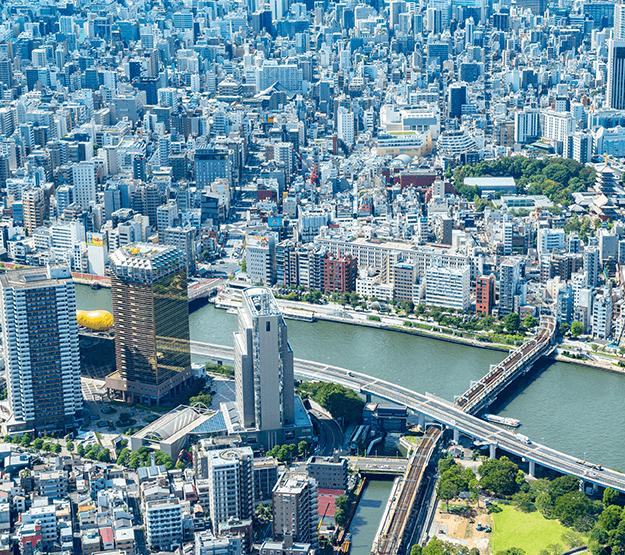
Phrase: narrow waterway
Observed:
(572, 408)
(368, 515)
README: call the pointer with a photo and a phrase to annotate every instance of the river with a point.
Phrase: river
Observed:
(571, 408)
(368, 515)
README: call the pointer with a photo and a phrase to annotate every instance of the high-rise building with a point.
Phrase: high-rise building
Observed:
(83, 180)
(260, 257)
(33, 201)
(509, 279)
(616, 74)
(339, 273)
(263, 364)
(619, 20)
(210, 164)
(448, 286)
(346, 126)
(42, 355)
(526, 125)
(457, 98)
(602, 309)
(295, 501)
(231, 477)
(484, 295)
(592, 265)
(151, 311)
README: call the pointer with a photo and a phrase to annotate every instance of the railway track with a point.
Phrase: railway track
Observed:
(392, 534)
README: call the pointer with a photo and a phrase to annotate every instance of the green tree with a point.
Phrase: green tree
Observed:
(530, 322)
(244, 266)
(610, 497)
(104, 456)
(416, 549)
(340, 517)
(513, 322)
(302, 448)
(446, 491)
(56, 448)
(499, 476)
(70, 446)
(571, 506)
(26, 440)
(80, 450)
(38, 443)
(7, 438)
(577, 329)
(47, 447)
(180, 465)
(562, 485)
(512, 551)
(564, 328)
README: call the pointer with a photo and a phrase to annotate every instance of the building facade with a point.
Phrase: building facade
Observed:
(42, 355)
(151, 311)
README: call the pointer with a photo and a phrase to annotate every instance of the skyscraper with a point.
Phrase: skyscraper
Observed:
(457, 98)
(263, 363)
(616, 74)
(151, 311)
(83, 179)
(42, 356)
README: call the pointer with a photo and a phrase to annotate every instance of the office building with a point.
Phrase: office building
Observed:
(295, 502)
(485, 295)
(448, 287)
(550, 240)
(526, 125)
(619, 19)
(616, 74)
(329, 472)
(83, 180)
(210, 164)
(339, 273)
(457, 99)
(42, 356)
(263, 364)
(151, 311)
(260, 257)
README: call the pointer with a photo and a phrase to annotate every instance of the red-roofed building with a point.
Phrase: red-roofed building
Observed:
(327, 501)
(108, 538)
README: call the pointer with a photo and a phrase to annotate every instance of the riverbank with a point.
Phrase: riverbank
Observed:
(307, 312)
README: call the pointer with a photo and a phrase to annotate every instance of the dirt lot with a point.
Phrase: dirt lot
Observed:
(461, 529)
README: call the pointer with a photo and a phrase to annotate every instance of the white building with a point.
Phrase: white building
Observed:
(557, 126)
(602, 315)
(83, 175)
(208, 544)
(260, 257)
(550, 240)
(42, 356)
(45, 516)
(97, 253)
(346, 126)
(163, 523)
(263, 363)
(448, 287)
(526, 125)
(231, 478)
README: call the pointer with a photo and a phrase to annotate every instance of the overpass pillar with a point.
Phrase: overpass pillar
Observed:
(493, 450)
(368, 397)
(422, 421)
(456, 435)
(532, 471)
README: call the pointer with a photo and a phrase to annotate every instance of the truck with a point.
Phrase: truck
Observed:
(524, 439)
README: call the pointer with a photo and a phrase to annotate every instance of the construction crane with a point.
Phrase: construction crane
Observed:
(314, 176)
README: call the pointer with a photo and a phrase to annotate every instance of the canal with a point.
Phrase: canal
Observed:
(368, 515)
(572, 408)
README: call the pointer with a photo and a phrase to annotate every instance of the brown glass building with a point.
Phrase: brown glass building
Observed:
(151, 312)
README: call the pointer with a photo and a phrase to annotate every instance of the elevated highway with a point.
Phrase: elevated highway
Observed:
(396, 529)
(483, 392)
(430, 407)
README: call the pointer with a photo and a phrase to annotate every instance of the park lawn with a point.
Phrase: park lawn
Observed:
(529, 531)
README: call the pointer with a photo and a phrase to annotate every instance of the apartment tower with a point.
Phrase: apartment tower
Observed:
(42, 356)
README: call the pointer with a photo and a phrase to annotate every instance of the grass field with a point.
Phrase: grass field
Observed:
(529, 531)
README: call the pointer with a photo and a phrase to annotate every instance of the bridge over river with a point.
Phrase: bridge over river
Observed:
(435, 409)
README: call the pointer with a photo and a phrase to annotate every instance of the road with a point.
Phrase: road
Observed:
(332, 436)
(441, 411)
